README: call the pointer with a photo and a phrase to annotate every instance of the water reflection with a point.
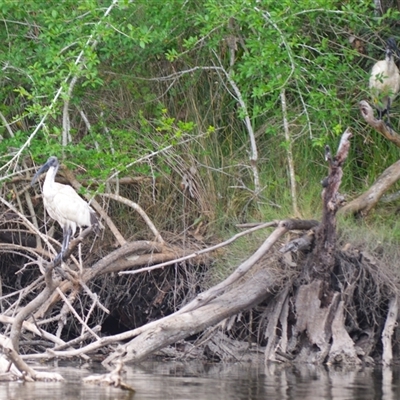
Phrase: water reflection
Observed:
(185, 381)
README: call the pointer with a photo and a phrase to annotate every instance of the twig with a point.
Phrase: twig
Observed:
(79, 339)
(72, 309)
(203, 251)
(34, 329)
(249, 127)
(66, 123)
(289, 154)
(6, 124)
(32, 306)
(87, 317)
(31, 209)
(94, 297)
(28, 223)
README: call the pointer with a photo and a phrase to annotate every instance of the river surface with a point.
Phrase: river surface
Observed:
(186, 381)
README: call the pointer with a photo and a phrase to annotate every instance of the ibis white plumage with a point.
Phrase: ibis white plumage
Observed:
(63, 204)
(384, 82)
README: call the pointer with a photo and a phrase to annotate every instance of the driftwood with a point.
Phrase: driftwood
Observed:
(28, 373)
(203, 311)
(323, 258)
(113, 378)
(182, 325)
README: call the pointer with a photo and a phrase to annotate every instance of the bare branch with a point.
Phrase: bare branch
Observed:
(72, 309)
(6, 124)
(379, 125)
(140, 210)
(203, 251)
(51, 285)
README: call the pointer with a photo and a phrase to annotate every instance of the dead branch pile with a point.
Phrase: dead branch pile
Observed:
(306, 299)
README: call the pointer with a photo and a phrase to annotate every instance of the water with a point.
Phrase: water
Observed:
(186, 381)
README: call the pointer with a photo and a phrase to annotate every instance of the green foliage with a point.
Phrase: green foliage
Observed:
(142, 86)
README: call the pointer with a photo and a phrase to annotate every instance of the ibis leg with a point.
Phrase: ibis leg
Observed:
(387, 111)
(66, 238)
(381, 113)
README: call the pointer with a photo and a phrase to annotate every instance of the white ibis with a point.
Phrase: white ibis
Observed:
(384, 81)
(63, 204)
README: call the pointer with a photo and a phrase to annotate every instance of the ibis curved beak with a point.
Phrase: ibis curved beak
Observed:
(51, 162)
(41, 170)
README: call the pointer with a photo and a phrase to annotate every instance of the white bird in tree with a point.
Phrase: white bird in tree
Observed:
(384, 82)
(64, 205)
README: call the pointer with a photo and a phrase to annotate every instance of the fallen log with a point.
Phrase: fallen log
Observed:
(259, 287)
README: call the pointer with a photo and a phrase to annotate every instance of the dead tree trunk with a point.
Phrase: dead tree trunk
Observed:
(319, 331)
(322, 259)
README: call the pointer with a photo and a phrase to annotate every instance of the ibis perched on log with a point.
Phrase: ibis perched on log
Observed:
(384, 82)
(64, 205)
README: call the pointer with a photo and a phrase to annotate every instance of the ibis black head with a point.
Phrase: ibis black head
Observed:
(51, 162)
(391, 46)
